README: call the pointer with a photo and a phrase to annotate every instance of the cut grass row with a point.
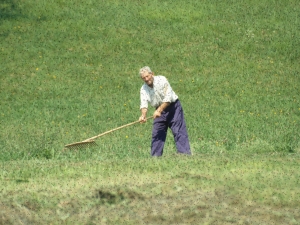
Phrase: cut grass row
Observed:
(204, 188)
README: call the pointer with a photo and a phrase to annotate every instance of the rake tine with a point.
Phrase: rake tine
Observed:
(83, 144)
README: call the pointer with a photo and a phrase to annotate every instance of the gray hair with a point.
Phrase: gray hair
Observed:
(145, 69)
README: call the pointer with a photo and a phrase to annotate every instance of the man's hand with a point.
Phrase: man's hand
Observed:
(142, 119)
(156, 114)
(161, 108)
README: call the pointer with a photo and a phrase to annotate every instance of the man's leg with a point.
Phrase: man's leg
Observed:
(159, 134)
(179, 129)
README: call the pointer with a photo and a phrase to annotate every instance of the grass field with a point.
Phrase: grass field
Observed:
(69, 71)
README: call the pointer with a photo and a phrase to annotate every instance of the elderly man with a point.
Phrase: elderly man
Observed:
(168, 114)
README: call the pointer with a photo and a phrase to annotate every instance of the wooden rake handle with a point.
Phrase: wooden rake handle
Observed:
(118, 128)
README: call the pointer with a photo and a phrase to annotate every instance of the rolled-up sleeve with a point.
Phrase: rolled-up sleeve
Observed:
(144, 98)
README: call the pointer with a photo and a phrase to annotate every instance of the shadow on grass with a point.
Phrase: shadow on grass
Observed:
(113, 197)
(22, 181)
(9, 10)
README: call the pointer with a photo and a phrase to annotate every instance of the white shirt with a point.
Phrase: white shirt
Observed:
(161, 92)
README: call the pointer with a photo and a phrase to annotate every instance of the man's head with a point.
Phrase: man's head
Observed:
(147, 75)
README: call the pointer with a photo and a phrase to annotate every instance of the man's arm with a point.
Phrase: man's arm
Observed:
(142, 118)
(161, 108)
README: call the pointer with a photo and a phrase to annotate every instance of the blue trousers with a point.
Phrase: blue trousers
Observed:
(172, 117)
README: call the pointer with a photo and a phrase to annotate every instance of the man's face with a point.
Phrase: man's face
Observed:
(147, 78)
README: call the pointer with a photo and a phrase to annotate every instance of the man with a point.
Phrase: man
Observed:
(168, 114)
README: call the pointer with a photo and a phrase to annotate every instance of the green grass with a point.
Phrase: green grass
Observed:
(69, 71)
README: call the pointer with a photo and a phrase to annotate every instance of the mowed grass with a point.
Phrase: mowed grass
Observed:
(69, 71)
(203, 189)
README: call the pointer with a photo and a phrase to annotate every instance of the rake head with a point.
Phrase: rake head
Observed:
(82, 144)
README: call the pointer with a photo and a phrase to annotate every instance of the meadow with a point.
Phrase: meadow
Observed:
(69, 71)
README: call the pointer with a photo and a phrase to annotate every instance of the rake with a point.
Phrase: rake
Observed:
(91, 141)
